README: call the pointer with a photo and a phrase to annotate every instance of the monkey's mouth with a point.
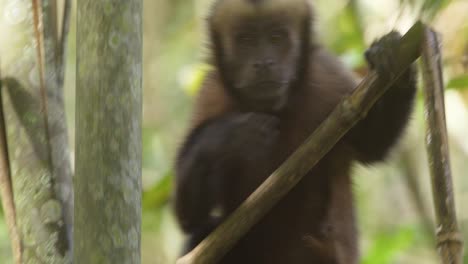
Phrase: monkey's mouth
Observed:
(268, 89)
(264, 96)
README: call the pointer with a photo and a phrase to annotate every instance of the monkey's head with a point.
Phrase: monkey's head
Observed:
(260, 48)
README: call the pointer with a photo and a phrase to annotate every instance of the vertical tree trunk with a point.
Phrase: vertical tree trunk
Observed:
(108, 132)
(37, 192)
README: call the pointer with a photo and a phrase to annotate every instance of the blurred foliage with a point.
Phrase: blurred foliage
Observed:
(157, 195)
(460, 82)
(350, 41)
(388, 245)
(427, 8)
(196, 79)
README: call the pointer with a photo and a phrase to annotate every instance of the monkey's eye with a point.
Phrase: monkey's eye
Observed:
(245, 39)
(278, 35)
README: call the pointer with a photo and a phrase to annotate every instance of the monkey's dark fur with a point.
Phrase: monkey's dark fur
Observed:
(271, 86)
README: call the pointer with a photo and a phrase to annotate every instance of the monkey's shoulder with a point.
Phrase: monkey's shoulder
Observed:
(326, 83)
(328, 73)
(212, 99)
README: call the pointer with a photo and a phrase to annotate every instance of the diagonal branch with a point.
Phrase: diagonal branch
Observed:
(345, 115)
(62, 44)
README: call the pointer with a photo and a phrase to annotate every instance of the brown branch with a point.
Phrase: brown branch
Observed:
(37, 13)
(40, 50)
(62, 45)
(345, 115)
(449, 239)
(6, 188)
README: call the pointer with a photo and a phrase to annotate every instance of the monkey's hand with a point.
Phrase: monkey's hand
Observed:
(213, 151)
(249, 136)
(382, 54)
(382, 57)
(373, 136)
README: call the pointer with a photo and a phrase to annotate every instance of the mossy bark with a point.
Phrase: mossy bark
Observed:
(37, 192)
(108, 132)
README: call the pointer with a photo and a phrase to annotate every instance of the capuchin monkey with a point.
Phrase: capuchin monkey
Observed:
(271, 86)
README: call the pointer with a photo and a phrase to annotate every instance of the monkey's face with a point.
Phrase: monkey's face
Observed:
(259, 58)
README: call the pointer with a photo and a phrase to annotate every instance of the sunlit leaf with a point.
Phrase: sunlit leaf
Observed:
(387, 246)
(152, 220)
(196, 76)
(427, 8)
(159, 194)
(459, 82)
(350, 37)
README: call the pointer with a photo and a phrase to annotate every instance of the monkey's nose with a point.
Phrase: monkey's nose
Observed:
(263, 64)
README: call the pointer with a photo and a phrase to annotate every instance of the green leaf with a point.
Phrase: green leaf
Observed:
(350, 36)
(428, 8)
(159, 194)
(459, 82)
(197, 77)
(387, 246)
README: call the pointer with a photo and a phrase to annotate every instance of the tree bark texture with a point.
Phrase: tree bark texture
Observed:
(108, 132)
(37, 190)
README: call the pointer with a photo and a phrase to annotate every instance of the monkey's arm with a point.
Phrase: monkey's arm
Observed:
(378, 132)
(214, 153)
(193, 191)
(193, 196)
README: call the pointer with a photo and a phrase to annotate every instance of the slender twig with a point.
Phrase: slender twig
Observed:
(411, 175)
(6, 188)
(345, 115)
(40, 59)
(40, 52)
(63, 42)
(449, 239)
